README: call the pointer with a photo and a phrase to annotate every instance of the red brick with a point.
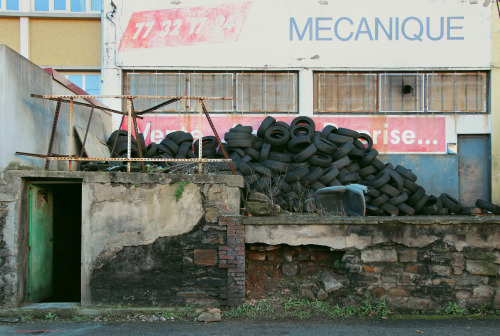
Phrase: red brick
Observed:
(205, 257)
(369, 268)
(397, 292)
(378, 292)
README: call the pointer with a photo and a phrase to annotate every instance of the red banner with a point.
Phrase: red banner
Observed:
(390, 134)
(185, 26)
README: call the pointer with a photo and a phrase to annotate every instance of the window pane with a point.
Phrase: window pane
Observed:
(156, 84)
(456, 92)
(401, 93)
(42, 5)
(78, 5)
(77, 80)
(93, 84)
(345, 92)
(59, 4)
(267, 92)
(12, 5)
(95, 5)
(211, 85)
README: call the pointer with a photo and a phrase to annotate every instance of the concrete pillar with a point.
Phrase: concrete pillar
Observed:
(495, 107)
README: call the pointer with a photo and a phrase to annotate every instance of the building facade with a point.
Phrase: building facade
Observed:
(60, 34)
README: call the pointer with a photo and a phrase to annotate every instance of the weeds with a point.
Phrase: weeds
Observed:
(51, 316)
(179, 190)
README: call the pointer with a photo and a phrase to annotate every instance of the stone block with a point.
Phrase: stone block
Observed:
(289, 269)
(441, 270)
(379, 255)
(211, 282)
(351, 262)
(378, 292)
(496, 300)
(205, 257)
(256, 256)
(463, 295)
(397, 292)
(471, 280)
(481, 267)
(408, 256)
(450, 282)
(322, 295)
(307, 293)
(483, 292)
(369, 269)
(330, 284)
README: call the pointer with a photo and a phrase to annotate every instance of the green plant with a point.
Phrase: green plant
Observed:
(179, 189)
(77, 318)
(453, 309)
(51, 316)
(27, 317)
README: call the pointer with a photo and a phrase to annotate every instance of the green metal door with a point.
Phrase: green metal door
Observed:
(40, 244)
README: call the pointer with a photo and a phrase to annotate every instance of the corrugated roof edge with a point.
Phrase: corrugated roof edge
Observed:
(73, 87)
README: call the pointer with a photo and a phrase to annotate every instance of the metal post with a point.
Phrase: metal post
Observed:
(54, 126)
(200, 146)
(70, 132)
(136, 131)
(129, 134)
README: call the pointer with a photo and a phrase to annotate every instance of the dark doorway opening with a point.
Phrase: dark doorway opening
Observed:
(64, 243)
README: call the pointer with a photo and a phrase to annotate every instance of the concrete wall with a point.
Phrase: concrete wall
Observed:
(495, 109)
(26, 122)
(123, 213)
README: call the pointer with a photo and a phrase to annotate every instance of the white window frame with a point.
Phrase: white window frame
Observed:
(84, 78)
(88, 6)
(3, 8)
(421, 93)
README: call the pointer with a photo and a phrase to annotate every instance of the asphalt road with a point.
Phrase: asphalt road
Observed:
(448, 327)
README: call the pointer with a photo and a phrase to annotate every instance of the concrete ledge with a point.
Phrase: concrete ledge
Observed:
(372, 220)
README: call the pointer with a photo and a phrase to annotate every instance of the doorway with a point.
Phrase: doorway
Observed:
(54, 261)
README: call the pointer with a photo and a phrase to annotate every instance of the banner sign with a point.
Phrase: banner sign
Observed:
(185, 26)
(390, 134)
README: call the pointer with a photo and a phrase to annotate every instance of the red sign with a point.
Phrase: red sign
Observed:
(390, 134)
(185, 26)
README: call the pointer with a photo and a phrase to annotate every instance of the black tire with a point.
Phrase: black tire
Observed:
(406, 173)
(305, 153)
(303, 120)
(313, 176)
(162, 149)
(327, 130)
(173, 134)
(241, 129)
(265, 171)
(258, 144)
(396, 179)
(342, 162)
(373, 193)
(368, 170)
(380, 179)
(296, 175)
(390, 209)
(353, 167)
(334, 183)
(239, 143)
(298, 143)
(116, 134)
(283, 157)
(420, 204)
(282, 124)
(262, 184)
(380, 200)
(324, 146)
(172, 146)
(207, 142)
(237, 135)
(266, 123)
(356, 154)
(253, 153)
(368, 158)
(183, 137)
(320, 160)
(329, 175)
(402, 197)
(411, 186)
(373, 210)
(378, 164)
(243, 167)
(343, 150)
(339, 139)
(277, 136)
(406, 209)
(451, 203)
(488, 206)
(151, 150)
(369, 142)
(432, 206)
(285, 187)
(416, 196)
(277, 166)
(184, 148)
(317, 185)
(389, 190)
(264, 151)
(301, 130)
(348, 132)
(298, 187)
(348, 178)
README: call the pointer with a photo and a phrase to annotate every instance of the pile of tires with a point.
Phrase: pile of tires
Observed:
(290, 162)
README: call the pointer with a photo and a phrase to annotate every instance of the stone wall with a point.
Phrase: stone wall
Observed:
(415, 264)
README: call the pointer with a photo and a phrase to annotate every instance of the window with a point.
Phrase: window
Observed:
(251, 92)
(401, 93)
(345, 92)
(10, 5)
(458, 92)
(89, 82)
(77, 6)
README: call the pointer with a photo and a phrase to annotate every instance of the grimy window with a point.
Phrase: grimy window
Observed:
(464, 92)
(252, 92)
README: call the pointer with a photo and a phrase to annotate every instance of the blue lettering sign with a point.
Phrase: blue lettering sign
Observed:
(318, 28)
(336, 29)
(362, 23)
(416, 36)
(450, 28)
(308, 25)
(387, 33)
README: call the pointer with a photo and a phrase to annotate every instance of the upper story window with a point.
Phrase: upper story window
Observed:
(9, 5)
(89, 81)
(76, 6)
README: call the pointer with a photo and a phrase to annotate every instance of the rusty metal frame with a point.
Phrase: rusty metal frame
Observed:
(132, 115)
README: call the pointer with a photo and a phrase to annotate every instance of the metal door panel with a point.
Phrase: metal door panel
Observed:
(474, 174)
(40, 244)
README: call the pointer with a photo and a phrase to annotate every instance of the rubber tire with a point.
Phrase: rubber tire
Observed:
(369, 157)
(368, 170)
(411, 186)
(277, 136)
(265, 171)
(301, 120)
(451, 203)
(368, 140)
(301, 130)
(296, 175)
(183, 137)
(237, 135)
(298, 144)
(329, 175)
(390, 209)
(348, 178)
(343, 150)
(264, 151)
(241, 129)
(320, 160)
(327, 130)
(324, 146)
(389, 190)
(408, 210)
(255, 154)
(373, 210)
(342, 162)
(402, 197)
(305, 154)
(277, 166)
(380, 200)
(266, 123)
(488, 206)
(339, 139)
(406, 173)
(172, 146)
(348, 132)
(239, 143)
(432, 206)
(313, 176)
(416, 196)
(380, 179)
